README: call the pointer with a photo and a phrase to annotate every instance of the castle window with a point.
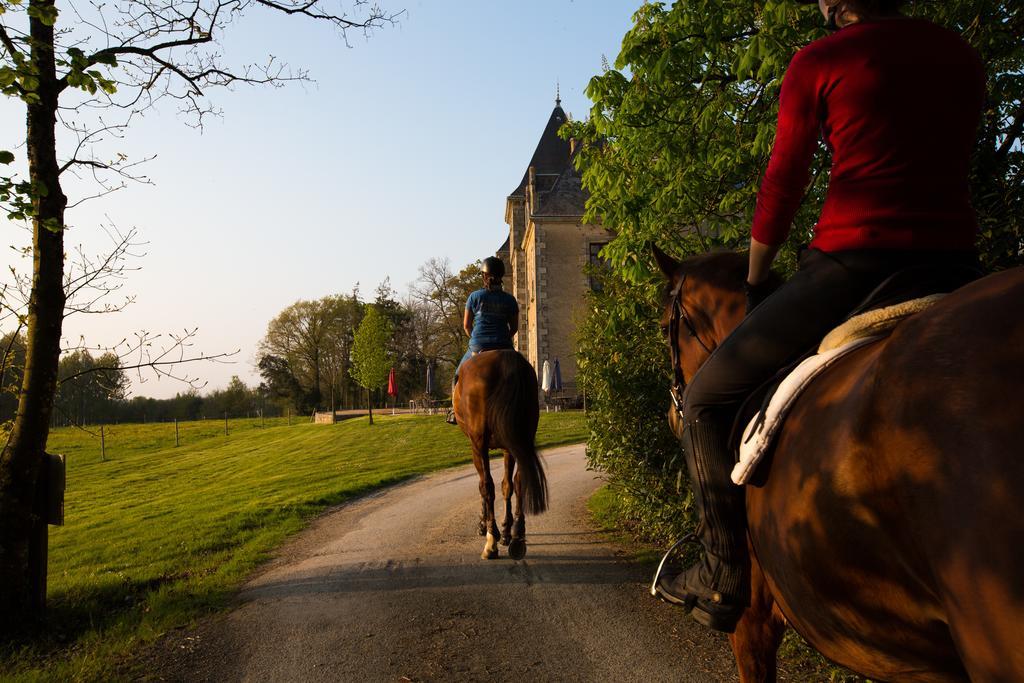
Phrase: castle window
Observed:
(595, 262)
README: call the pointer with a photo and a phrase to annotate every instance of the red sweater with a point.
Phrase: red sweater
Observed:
(897, 103)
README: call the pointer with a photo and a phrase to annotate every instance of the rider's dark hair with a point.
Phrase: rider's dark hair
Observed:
(492, 282)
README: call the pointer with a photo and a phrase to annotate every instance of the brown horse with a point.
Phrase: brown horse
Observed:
(888, 531)
(495, 403)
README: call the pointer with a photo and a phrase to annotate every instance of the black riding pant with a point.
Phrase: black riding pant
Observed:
(825, 289)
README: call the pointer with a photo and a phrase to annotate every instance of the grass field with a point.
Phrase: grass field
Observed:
(157, 535)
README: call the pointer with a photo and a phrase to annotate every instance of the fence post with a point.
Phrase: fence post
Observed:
(225, 423)
(103, 445)
(175, 432)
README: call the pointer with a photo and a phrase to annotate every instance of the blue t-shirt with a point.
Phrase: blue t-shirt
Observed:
(491, 311)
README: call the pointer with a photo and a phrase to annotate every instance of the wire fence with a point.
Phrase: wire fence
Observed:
(107, 441)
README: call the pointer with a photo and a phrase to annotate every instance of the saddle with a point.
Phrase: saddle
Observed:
(900, 296)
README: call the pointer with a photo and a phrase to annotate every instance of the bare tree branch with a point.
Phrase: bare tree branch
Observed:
(8, 43)
(1013, 133)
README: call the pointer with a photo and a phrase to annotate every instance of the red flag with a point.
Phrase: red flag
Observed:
(392, 384)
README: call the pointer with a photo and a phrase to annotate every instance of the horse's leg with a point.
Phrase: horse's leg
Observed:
(517, 547)
(759, 632)
(483, 469)
(484, 505)
(506, 492)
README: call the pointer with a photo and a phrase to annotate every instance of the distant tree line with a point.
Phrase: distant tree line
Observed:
(305, 360)
(306, 357)
(94, 390)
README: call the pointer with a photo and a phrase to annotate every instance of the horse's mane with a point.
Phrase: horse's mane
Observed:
(724, 269)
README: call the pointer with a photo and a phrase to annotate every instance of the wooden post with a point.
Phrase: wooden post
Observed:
(103, 445)
(176, 442)
(49, 509)
(225, 423)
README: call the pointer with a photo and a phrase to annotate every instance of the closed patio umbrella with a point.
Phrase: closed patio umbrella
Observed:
(545, 377)
(392, 389)
(430, 379)
(556, 377)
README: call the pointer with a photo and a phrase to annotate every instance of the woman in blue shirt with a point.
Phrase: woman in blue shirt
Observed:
(491, 317)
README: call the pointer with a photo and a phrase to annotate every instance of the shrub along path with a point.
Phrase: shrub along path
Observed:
(156, 535)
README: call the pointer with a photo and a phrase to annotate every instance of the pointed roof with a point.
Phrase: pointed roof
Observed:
(552, 152)
(566, 196)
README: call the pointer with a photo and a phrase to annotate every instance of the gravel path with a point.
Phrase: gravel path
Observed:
(392, 588)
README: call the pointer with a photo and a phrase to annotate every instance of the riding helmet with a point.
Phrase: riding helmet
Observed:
(494, 266)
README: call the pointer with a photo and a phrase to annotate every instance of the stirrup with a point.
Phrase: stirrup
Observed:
(688, 538)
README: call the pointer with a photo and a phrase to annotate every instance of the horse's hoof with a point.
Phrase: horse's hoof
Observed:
(505, 539)
(517, 549)
(489, 554)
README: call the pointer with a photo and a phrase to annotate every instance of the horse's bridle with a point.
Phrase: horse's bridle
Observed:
(680, 315)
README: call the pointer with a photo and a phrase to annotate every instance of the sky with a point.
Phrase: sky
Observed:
(403, 148)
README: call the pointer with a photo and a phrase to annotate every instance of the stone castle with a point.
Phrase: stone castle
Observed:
(547, 248)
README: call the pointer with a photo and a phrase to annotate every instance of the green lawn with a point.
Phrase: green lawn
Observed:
(157, 535)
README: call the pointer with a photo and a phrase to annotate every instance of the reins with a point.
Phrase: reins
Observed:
(680, 314)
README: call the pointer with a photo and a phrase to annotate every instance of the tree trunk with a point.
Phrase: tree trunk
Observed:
(22, 458)
(369, 403)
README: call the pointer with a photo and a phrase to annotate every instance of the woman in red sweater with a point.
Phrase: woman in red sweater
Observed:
(896, 101)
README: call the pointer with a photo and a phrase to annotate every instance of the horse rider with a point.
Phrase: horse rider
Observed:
(491, 317)
(896, 101)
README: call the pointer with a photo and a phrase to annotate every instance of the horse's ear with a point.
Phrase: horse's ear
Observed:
(668, 265)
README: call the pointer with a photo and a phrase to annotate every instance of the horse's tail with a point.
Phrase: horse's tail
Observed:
(512, 415)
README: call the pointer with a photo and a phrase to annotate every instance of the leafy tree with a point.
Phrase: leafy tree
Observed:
(672, 153)
(97, 66)
(281, 384)
(370, 362)
(314, 339)
(680, 131)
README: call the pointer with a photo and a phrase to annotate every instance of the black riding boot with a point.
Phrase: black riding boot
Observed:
(717, 588)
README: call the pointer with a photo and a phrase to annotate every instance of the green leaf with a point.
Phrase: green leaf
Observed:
(46, 14)
(8, 76)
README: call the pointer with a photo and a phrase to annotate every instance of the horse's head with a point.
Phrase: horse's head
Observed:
(703, 301)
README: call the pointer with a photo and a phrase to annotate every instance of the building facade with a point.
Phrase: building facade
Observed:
(546, 252)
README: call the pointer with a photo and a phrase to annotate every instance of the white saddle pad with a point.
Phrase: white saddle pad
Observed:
(758, 435)
(852, 334)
